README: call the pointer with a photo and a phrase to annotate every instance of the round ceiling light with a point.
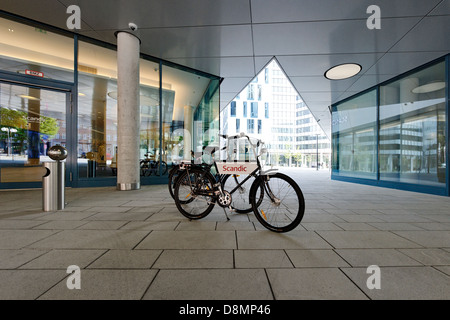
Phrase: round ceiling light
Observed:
(343, 71)
(430, 87)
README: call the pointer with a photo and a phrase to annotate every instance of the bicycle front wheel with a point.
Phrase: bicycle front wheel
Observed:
(283, 205)
(173, 175)
(160, 167)
(194, 194)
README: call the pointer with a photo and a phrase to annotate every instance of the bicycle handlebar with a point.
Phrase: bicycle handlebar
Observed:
(242, 135)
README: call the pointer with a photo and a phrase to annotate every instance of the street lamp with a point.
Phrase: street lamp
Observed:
(317, 151)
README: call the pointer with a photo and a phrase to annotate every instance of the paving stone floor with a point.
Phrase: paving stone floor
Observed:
(136, 245)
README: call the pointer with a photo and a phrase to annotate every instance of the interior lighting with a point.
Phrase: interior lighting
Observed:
(430, 87)
(343, 71)
(23, 96)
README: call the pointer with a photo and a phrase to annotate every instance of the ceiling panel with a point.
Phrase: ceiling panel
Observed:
(222, 66)
(431, 34)
(51, 12)
(116, 14)
(396, 63)
(442, 9)
(269, 11)
(321, 84)
(329, 37)
(318, 64)
(191, 42)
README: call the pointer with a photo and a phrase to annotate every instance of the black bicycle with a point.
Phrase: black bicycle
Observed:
(275, 198)
(238, 184)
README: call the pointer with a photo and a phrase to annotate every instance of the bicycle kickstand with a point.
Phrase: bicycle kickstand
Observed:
(226, 215)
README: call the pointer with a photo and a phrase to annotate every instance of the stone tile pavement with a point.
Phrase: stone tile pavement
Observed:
(136, 245)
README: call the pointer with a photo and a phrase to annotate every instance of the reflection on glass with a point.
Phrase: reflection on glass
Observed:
(354, 136)
(31, 121)
(190, 113)
(97, 111)
(412, 128)
(35, 52)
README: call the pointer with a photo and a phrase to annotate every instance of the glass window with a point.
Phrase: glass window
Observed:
(354, 136)
(250, 92)
(259, 126)
(238, 125)
(244, 107)
(97, 111)
(251, 126)
(31, 121)
(412, 128)
(35, 52)
(254, 110)
(266, 110)
(233, 109)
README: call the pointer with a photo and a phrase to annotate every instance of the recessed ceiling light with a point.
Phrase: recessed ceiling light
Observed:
(343, 71)
(430, 87)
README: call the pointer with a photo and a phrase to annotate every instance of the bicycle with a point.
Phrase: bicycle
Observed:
(276, 199)
(241, 203)
(149, 166)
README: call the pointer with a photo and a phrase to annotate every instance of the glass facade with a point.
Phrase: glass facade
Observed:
(354, 136)
(396, 134)
(68, 96)
(412, 128)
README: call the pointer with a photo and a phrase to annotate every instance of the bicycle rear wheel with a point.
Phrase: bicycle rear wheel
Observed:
(193, 193)
(283, 205)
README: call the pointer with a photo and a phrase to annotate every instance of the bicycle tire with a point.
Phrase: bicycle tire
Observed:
(241, 196)
(196, 206)
(285, 215)
(163, 166)
(173, 175)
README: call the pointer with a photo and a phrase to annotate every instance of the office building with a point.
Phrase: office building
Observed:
(270, 109)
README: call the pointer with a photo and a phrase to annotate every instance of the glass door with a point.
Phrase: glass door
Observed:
(32, 120)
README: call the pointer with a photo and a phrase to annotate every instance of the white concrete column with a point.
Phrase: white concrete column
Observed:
(128, 111)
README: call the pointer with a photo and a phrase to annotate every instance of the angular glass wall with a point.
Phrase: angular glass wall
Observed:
(401, 140)
(354, 129)
(206, 117)
(190, 108)
(412, 128)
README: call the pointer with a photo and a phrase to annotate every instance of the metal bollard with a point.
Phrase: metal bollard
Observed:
(53, 186)
(53, 182)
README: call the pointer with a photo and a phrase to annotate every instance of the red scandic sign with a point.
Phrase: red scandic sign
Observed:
(237, 167)
(34, 73)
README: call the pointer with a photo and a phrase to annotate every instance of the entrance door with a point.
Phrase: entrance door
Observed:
(32, 119)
